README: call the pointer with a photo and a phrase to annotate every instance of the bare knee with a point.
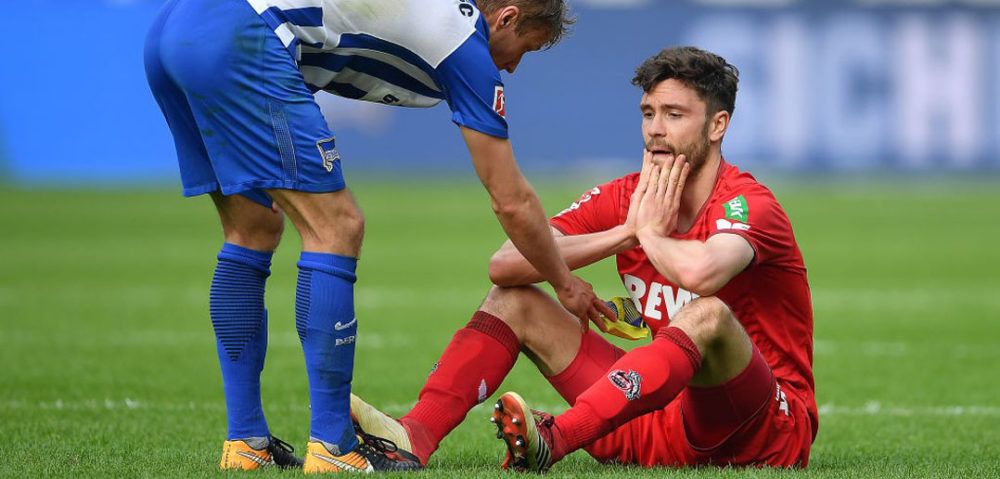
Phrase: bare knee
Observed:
(346, 227)
(549, 335)
(262, 234)
(513, 306)
(249, 224)
(707, 320)
(724, 345)
(327, 222)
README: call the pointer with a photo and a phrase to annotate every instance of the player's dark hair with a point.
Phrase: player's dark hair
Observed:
(710, 75)
(551, 15)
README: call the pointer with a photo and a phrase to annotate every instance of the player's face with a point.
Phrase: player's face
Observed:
(674, 123)
(507, 46)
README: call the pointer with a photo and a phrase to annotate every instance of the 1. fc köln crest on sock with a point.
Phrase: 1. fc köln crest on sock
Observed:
(629, 382)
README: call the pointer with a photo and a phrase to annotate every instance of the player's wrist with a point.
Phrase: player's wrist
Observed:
(562, 285)
(627, 237)
(647, 233)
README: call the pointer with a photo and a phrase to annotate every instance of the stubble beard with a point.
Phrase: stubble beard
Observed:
(696, 153)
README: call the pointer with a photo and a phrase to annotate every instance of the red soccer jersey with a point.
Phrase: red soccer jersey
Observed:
(770, 297)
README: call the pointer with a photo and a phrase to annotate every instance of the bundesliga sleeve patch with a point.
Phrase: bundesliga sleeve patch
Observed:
(499, 102)
(721, 224)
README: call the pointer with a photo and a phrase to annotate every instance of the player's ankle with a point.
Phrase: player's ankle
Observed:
(421, 440)
(558, 444)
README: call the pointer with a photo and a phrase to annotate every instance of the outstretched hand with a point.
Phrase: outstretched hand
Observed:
(661, 200)
(578, 298)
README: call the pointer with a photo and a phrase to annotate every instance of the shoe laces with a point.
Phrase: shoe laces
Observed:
(546, 425)
(379, 444)
(278, 444)
(282, 453)
(543, 418)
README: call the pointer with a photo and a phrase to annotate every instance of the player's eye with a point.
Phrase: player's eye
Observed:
(674, 115)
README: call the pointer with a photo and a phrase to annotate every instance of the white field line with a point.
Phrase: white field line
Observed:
(155, 295)
(825, 347)
(875, 408)
(368, 340)
(871, 408)
(145, 339)
(912, 300)
(921, 300)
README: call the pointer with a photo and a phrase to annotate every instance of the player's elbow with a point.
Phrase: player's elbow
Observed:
(501, 269)
(508, 208)
(700, 277)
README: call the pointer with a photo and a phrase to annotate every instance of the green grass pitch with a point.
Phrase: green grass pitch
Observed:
(108, 369)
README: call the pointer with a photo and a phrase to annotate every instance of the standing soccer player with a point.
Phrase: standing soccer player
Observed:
(710, 262)
(235, 80)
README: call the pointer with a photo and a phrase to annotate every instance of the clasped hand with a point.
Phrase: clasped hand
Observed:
(656, 200)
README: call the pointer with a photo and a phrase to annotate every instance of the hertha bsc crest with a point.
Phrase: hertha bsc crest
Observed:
(628, 382)
(328, 151)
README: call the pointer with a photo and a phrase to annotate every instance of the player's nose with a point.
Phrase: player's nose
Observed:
(656, 128)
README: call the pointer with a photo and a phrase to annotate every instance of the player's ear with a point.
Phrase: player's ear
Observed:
(717, 126)
(507, 17)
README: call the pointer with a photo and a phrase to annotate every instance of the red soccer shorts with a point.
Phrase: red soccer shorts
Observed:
(752, 419)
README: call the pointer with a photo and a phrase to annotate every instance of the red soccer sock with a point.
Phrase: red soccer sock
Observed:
(643, 380)
(470, 370)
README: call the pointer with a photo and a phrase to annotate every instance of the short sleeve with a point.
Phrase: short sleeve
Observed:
(754, 214)
(597, 210)
(472, 86)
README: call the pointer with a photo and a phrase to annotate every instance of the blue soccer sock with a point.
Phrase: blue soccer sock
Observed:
(324, 318)
(240, 321)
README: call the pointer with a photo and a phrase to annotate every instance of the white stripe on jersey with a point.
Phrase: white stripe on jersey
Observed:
(376, 88)
(389, 59)
(285, 34)
(284, 31)
(391, 32)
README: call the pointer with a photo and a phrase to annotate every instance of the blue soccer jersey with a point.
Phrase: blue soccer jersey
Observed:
(399, 52)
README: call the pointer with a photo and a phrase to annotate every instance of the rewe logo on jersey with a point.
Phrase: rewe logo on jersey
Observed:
(658, 297)
(499, 102)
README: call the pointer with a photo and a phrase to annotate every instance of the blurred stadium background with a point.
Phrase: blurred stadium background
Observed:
(852, 86)
(876, 123)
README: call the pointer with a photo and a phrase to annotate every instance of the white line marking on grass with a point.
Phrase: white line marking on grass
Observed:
(173, 339)
(875, 408)
(417, 298)
(140, 296)
(912, 300)
(895, 349)
(871, 408)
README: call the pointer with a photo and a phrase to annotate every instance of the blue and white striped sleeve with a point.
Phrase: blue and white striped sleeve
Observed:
(472, 86)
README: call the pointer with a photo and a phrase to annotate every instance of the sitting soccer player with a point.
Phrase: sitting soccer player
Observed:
(709, 259)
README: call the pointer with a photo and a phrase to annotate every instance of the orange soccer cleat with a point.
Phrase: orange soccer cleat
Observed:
(237, 454)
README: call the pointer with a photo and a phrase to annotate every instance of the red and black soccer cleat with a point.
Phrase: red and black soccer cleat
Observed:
(528, 434)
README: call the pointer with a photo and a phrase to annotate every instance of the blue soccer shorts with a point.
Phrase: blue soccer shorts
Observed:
(241, 115)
